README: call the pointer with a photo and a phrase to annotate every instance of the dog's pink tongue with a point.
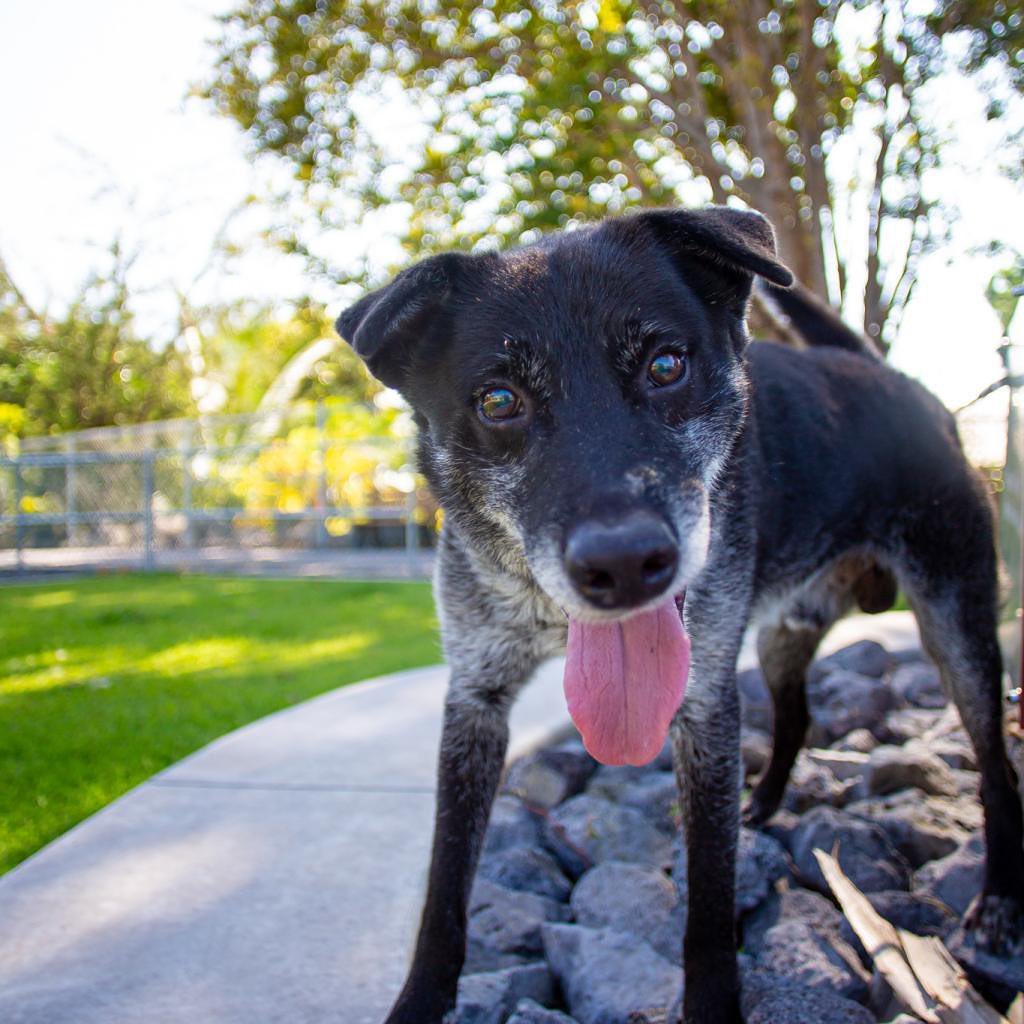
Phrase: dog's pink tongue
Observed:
(625, 680)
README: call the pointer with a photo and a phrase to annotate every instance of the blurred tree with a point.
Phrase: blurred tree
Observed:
(249, 355)
(538, 114)
(87, 367)
(90, 367)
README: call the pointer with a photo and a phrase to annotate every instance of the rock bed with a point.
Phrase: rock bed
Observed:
(578, 909)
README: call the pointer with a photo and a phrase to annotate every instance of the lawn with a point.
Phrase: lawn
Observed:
(106, 680)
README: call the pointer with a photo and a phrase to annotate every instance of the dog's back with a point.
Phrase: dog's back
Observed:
(849, 450)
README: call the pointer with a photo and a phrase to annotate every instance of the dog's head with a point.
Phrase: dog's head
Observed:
(578, 398)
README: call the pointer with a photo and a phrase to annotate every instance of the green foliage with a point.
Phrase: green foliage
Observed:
(1005, 289)
(105, 681)
(89, 366)
(86, 368)
(360, 455)
(545, 114)
(245, 348)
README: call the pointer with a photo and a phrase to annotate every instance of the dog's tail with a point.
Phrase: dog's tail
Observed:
(815, 321)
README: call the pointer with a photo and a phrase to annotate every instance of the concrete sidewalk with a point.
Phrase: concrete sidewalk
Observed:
(274, 876)
(34, 564)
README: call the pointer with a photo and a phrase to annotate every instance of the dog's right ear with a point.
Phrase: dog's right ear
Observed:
(741, 241)
(385, 326)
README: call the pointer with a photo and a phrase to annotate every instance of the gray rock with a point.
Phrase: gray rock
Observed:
(956, 751)
(655, 794)
(843, 701)
(755, 700)
(893, 768)
(612, 778)
(843, 764)
(526, 869)
(511, 824)
(547, 777)
(607, 975)
(509, 922)
(795, 950)
(810, 908)
(483, 959)
(905, 655)
(914, 912)
(922, 828)
(782, 825)
(948, 725)
(999, 977)
(770, 999)
(490, 998)
(530, 1012)
(865, 854)
(918, 684)
(588, 830)
(860, 741)
(760, 862)
(865, 657)
(663, 762)
(811, 784)
(906, 724)
(634, 899)
(968, 784)
(755, 750)
(957, 878)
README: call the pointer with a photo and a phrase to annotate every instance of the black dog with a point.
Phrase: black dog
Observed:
(609, 451)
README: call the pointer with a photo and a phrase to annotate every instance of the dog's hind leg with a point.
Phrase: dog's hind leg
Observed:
(785, 652)
(787, 645)
(953, 590)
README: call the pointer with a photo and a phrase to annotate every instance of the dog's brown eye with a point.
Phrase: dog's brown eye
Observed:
(499, 404)
(666, 368)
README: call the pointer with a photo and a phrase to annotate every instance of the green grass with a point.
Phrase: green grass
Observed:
(106, 680)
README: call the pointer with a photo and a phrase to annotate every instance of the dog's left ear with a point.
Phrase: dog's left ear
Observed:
(739, 243)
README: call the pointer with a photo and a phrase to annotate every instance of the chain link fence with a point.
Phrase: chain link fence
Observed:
(331, 479)
(320, 477)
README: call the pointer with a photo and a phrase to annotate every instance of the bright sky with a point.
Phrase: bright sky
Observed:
(94, 96)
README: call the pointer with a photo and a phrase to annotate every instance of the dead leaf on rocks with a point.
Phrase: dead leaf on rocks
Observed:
(924, 976)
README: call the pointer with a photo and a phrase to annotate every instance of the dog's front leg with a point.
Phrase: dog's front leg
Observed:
(706, 747)
(495, 634)
(473, 744)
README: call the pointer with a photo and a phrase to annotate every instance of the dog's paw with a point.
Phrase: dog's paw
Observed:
(403, 1014)
(996, 925)
(413, 1008)
(756, 813)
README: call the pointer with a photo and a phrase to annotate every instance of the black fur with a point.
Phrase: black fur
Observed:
(816, 322)
(794, 483)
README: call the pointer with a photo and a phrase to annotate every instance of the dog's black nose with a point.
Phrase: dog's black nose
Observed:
(624, 563)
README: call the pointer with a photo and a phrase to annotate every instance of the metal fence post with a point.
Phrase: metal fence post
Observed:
(19, 537)
(147, 510)
(187, 454)
(321, 484)
(70, 449)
